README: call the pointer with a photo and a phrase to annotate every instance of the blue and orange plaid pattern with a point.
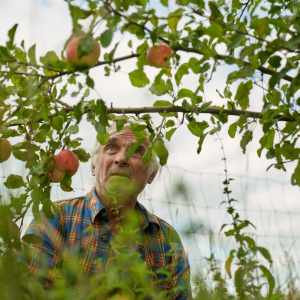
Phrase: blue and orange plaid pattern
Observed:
(82, 228)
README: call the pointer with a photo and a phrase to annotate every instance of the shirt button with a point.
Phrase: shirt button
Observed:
(104, 238)
(104, 214)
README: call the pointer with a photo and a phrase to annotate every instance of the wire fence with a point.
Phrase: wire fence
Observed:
(190, 202)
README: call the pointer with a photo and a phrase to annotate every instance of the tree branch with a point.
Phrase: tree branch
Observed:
(170, 109)
(223, 57)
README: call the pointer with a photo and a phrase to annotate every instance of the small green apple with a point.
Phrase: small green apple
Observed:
(5, 149)
(55, 175)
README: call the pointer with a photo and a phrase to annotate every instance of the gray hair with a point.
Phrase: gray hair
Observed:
(154, 165)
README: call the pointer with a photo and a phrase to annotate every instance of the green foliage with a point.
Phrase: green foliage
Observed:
(259, 41)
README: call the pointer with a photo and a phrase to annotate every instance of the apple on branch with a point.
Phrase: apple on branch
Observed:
(66, 162)
(86, 60)
(5, 149)
(55, 175)
(159, 55)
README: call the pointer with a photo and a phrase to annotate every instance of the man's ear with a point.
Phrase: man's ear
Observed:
(93, 169)
(152, 176)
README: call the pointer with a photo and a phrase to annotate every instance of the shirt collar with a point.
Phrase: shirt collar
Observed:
(146, 218)
(95, 206)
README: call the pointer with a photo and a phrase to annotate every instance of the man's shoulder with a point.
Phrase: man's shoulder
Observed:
(167, 229)
(71, 203)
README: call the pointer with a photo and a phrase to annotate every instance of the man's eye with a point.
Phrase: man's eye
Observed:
(110, 148)
(137, 152)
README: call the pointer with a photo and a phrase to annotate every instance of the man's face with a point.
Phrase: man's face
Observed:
(112, 168)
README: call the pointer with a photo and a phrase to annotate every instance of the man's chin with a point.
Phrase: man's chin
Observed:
(121, 188)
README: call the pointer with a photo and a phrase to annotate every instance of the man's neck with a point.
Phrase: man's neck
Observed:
(118, 208)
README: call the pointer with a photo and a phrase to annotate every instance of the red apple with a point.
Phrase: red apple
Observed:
(85, 61)
(159, 55)
(67, 162)
(56, 175)
(5, 150)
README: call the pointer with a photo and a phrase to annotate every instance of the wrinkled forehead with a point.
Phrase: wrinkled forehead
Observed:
(127, 134)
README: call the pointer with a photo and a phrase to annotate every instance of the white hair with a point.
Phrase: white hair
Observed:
(154, 165)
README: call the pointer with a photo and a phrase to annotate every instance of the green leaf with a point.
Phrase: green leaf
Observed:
(4, 53)
(73, 129)
(270, 278)
(182, 70)
(275, 61)
(82, 155)
(78, 13)
(170, 133)
(242, 94)
(197, 128)
(247, 137)
(239, 282)
(38, 195)
(232, 130)
(228, 263)
(90, 82)
(47, 208)
(174, 18)
(138, 78)
(147, 155)
(230, 232)
(102, 138)
(158, 88)
(205, 106)
(236, 41)
(133, 148)
(194, 65)
(101, 110)
(4, 92)
(264, 252)
(57, 123)
(170, 123)
(65, 184)
(161, 150)
(184, 93)
(242, 73)
(32, 239)
(120, 122)
(49, 59)
(14, 182)
(266, 141)
(162, 103)
(289, 151)
(276, 297)
(20, 155)
(100, 128)
(11, 35)
(200, 143)
(164, 2)
(296, 175)
(106, 37)
(85, 45)
(31, 55)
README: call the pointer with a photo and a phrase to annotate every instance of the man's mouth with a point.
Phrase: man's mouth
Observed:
(120, 175)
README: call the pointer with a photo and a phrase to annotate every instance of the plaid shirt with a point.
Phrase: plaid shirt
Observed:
(83, 227)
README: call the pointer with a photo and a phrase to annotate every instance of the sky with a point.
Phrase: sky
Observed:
(48, 25)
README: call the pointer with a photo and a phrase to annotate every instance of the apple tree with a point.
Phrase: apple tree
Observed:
(257, 40)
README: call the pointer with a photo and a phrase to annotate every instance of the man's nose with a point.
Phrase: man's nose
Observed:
(120, 159)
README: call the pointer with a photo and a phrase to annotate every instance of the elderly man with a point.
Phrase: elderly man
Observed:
(107, 241)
